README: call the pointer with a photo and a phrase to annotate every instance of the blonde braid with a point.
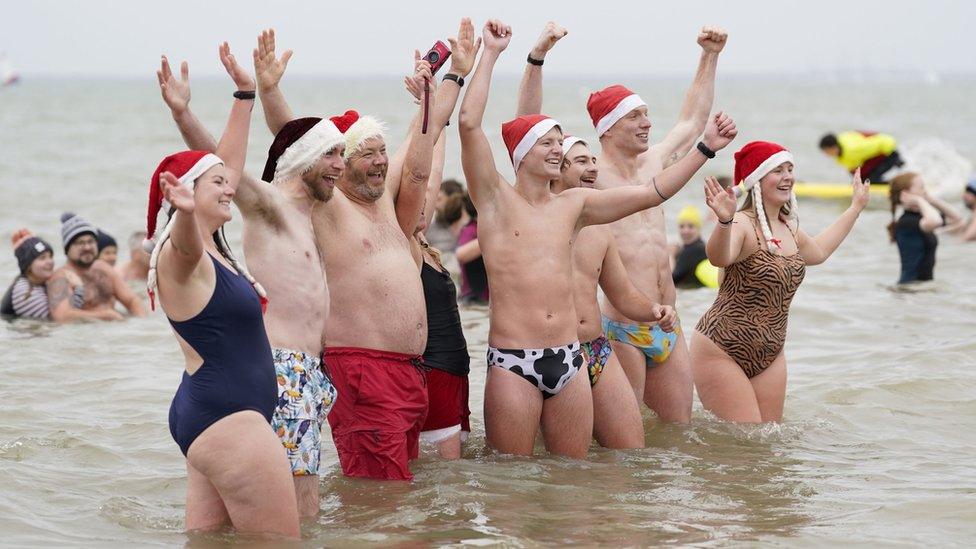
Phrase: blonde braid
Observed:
(224, 248)
(763, 220)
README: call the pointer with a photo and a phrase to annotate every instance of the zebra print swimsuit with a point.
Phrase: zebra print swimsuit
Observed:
(748, 318)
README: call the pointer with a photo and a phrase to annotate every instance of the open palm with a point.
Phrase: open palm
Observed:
(176, 92)
(721, 201)
(268, 68)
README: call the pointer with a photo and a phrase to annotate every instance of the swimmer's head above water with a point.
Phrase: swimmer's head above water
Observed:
(620, 118)
(969, 195)
(366, 158)
(579, 165)
(689, 224)
(535, 146)
(311, 149)
(765, 172)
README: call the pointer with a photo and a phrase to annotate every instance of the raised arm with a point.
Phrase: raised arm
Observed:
(269, 70)
(530, 89)
(252, 195)
(608, 205)
(417, 163)
(816, 250)
(436, 176)
(476, 158)
(725, 243)
(185, 248)
(232, 148)
(627, 299)
(698, 101)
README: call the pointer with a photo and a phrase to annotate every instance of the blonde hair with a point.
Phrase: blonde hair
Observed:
(754, 202)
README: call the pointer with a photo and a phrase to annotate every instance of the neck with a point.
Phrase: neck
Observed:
(33, 279)
(624, 162)
(533, 189)
(772, 210)
(296, 192)
(557, 186)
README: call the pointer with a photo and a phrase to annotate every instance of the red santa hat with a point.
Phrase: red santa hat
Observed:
(752, 163)
(757, 159)
(609, 105)
(357, 130)
(187, 166)
(523, 132)
(298, 145)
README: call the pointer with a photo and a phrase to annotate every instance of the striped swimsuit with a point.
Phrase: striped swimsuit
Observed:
(749, 316)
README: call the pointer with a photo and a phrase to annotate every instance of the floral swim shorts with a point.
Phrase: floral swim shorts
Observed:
(305, 396)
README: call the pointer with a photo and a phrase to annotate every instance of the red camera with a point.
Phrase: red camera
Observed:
(437, 56)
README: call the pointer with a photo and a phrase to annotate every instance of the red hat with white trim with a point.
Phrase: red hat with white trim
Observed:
(609, 105)
(187, 166)
(756, 159)
(522, 133)
(298, 145)
(357, 130)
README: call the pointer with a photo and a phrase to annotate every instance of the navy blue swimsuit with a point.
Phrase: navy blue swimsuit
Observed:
(237, 373)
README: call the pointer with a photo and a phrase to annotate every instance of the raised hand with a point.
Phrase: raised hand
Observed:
(268, 68)
(464, 49)
(862, 192)
(551, 34)
(414, 85)
(721, 201)
(496, 35)
(719, 131)
(181, 197)
(240, 76)
(176, 93)
(712, 39)
(666, 317)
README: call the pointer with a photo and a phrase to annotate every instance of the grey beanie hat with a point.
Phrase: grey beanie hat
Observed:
(73, 226)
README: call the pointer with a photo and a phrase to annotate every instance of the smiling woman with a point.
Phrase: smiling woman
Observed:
(737, 350)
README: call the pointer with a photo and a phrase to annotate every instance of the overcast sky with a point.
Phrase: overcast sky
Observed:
(125, 38)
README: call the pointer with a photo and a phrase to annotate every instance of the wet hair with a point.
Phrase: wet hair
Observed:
(434, 253)
(469, 206)
(829, 140)
(895, 188)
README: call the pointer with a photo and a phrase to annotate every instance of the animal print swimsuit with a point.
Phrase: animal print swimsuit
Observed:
(749, 316)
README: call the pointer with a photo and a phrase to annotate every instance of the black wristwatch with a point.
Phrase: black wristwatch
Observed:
(455, 78)
(244, 95)
(705, 150)
(533, 61)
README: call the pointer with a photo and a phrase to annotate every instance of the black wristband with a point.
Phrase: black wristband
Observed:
(705, 150)
(454, 78)
(532, 61)
(729, 222)
(239, 94)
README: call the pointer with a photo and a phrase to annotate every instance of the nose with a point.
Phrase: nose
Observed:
(230, 191)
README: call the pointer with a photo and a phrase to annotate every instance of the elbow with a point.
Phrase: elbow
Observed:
(418, 175)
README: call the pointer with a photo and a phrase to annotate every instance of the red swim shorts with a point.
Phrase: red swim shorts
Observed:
(381, 406)
(448, 413)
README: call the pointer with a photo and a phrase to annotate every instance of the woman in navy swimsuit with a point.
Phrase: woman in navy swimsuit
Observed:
(237, 471)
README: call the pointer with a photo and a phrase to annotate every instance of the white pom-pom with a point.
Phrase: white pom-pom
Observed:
(148, 245)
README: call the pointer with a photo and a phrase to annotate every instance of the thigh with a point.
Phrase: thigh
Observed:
(450, 448)
(668, 386)
(244, 460)
(567, 418)
(722, 386)
(770, 389)
(205, 510)
(617, 421)
(634, 365)
(513, 407)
